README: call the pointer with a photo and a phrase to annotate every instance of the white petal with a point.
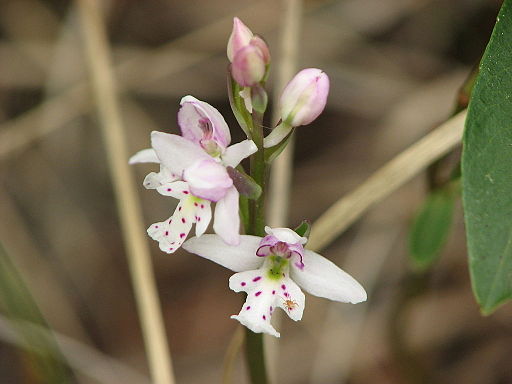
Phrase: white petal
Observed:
(322, 278)
(286, 235)
(161, 232)
(154, 180)
(203, 216)
(235, 153)
(176, 189)
(237, 258)
(175, 152)
(291, 299)
(144, 156)
(227, 219)
(260, 302)
(191, 111)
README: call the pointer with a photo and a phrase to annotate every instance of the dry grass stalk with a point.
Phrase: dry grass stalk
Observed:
(98, 56)
(390, 177)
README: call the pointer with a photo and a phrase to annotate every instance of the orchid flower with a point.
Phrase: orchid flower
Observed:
(193, 170)
(272, 270)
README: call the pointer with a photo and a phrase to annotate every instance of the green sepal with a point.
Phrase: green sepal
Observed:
(272, 152)
(303, 229)
(236, 101)
(259, 99)
(244, 183)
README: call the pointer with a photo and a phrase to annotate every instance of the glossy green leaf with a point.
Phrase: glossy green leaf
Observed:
(487, 170)
(431, 228)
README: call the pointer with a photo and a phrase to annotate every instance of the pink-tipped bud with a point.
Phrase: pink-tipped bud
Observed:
(240, 37)
(304, 98)
(248, 67)
(263, 47)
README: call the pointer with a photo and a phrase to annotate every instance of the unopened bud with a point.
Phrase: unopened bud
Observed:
(240, 37)
(304, 98)
(248, 67)
(262, 45)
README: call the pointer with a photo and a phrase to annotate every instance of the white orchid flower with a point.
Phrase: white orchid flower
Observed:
(272, 270)
(193, 170)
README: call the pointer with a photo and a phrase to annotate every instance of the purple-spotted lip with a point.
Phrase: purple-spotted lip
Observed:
(272, 245)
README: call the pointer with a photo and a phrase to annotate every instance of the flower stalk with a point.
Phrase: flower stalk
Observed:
(254, 348)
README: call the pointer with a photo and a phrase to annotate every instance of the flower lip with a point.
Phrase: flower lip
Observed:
(271, 245)
(208, 179)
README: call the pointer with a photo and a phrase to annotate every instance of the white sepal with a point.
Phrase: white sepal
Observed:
(322, 278)
(236, 258)
(144, 156)
(235, 153)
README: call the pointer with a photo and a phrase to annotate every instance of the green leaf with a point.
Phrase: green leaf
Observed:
(431, 228)
(487, 170)
(303, 229)
(17, 302)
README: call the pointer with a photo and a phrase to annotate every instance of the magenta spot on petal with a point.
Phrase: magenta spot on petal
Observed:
(173, 243)
(171, 249)
(183, 220)
(202, 206)
(166, 233)
(256, 278)
(169, 189)
(182, 235)
(271, 309)
(242, 283)
(185, 192)
(286, 294)
(170, 221)
(248, 307)
(257, 293)
(264, 317)
(273, 292)
(283, 287)
(179, 209)
(195, 204)
(156, 226)
(198, 219)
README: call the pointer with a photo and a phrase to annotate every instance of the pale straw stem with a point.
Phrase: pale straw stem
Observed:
(281, 171)
(382, 183)
(100, 68)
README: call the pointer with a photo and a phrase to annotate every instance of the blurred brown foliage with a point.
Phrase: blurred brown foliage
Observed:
(395, 67)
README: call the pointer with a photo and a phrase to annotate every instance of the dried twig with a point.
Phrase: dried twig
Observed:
(98, 56)
(386, 180)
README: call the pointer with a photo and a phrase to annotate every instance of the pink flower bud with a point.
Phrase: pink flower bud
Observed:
(240, 37)
(262, 45)
(304, 98)
(248, 67)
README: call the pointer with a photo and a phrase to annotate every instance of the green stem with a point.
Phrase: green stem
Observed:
(255, 357)
(254, 341)
(258, 173)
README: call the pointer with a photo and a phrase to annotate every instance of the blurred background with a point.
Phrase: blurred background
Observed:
(395, 68)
